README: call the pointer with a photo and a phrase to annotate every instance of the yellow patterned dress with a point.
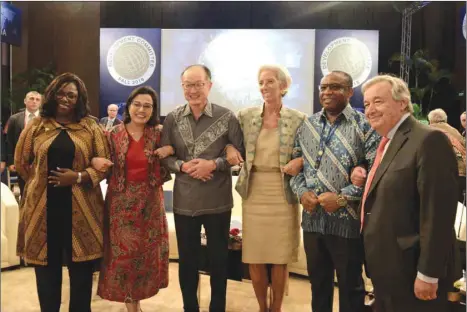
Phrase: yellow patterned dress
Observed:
(45, 143)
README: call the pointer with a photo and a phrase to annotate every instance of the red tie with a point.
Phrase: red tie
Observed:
(379, 155)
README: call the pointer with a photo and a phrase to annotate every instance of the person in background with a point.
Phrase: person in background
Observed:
(270, 209)
(61, 211)
(439, 120)
(332, 143)
(16, 123)
(409, 205)
(3, 152)
(136, 256)
(463, 122)
(111, 120)
(199, 131)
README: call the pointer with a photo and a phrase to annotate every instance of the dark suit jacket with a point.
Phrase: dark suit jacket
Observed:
(412, 205)
(104, 121)
(15, 126)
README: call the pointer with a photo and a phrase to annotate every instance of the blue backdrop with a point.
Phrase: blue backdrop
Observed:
(352, 51)
(129, 57)
(11, 24)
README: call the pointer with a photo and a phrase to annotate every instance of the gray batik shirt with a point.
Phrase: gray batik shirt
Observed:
(205, 138)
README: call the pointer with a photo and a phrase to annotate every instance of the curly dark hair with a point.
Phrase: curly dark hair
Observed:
(49, 108)
(154, 120)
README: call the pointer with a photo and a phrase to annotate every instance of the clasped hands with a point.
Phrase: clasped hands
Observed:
(200, 169)
(328, 200)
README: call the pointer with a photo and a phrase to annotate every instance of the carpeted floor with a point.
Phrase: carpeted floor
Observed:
(18, 294)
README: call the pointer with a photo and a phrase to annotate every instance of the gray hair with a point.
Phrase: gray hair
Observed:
(399, 89)
(437, 115)
(282, 74)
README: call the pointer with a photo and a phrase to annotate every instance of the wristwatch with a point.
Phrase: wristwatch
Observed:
(79, 178)
(341, 200)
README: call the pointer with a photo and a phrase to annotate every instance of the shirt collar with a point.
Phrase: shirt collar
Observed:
(28, 112)
(346, 112)
(392, 132)
(207, 110)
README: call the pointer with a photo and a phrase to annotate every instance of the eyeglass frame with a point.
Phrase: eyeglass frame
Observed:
(338, 87)
(197, 85)
(138, 106)
(60, 95)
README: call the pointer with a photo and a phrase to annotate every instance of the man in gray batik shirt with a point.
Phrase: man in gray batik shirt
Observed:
(199, 132)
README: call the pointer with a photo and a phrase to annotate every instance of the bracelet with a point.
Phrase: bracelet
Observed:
(79, 178)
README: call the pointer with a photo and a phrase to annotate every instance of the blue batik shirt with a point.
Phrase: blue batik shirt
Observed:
(330, 152)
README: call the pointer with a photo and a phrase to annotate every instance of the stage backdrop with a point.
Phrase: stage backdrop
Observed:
(352, 51)
(129, 57)
(234, 57)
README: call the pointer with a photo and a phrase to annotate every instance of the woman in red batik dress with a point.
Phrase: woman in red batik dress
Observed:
(136, 247)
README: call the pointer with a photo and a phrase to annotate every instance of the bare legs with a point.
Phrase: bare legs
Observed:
(259, 278)
(133, 306)
(279, 280)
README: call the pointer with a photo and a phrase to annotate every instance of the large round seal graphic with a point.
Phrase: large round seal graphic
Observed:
(131, 60)
(349, 55)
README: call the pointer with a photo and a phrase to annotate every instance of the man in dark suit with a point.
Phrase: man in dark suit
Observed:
(15, 126)
(111, 120)
(409, 205)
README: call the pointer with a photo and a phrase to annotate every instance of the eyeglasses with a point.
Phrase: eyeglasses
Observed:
(138, 106)
(332, 87)
(197, 85)
(70, 96)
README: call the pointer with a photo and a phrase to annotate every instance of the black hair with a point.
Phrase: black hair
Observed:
(347, 77)
(49, 108)
(154, 120)
(204, 67)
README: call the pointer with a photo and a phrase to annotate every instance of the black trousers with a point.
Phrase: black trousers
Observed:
(21, 185)
(326, 253)
(49, 286)
(188, 230)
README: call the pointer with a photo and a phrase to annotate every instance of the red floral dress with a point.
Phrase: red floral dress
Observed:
(136, 248)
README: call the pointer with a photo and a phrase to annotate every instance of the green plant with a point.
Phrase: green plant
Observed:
(426, 75)
(35, 79)
(418, 114)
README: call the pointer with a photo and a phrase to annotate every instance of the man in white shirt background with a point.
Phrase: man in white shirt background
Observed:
(15, 126)
(111, 120)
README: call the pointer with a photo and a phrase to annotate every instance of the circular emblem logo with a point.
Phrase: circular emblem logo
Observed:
(348, 55)
(131, 60)
(464, 26)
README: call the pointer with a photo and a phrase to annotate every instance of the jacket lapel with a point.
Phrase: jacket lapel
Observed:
(255, 124)
(395, 145)
(284, 136)
(21, 120)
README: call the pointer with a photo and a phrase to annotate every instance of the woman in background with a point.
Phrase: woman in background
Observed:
(270, 209)
(136, 255)
(61, 210)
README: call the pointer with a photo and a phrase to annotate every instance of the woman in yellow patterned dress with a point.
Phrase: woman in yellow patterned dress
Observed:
(61, 211)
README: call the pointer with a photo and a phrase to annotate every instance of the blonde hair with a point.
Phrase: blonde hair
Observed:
(282, 74)
(399, 89)
(437, 115)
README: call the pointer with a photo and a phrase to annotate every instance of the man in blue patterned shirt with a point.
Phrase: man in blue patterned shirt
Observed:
(332, 142)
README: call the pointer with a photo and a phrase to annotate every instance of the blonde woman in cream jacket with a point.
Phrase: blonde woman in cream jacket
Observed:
(271, 221)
